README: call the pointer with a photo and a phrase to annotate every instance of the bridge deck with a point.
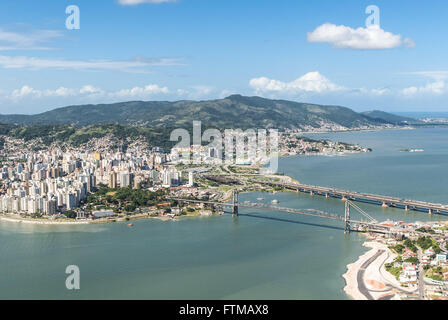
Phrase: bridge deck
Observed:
(356, 224)
(367, 197)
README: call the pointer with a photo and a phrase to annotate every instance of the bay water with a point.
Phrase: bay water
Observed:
(259, 255)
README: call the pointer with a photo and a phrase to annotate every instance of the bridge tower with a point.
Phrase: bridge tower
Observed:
(235, 203)
(347, 217)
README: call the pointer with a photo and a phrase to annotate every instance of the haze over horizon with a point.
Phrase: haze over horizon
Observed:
(322, 53)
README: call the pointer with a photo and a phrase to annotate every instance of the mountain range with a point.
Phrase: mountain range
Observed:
(235, 111)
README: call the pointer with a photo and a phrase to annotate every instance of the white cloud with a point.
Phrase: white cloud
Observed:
(140, 92)
(196, 92)
(380, 91)
(312, 82)
(201, 91)
(376, 92)
(60, 92)
(137, 2)
(24, 92)
(371, 38)
(433, 88)
(91, 93)
(29, 92)
(31, 41)
(90, 90)
(437, 86)
(138, 65)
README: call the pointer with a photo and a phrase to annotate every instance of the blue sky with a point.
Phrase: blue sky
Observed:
(317, 51)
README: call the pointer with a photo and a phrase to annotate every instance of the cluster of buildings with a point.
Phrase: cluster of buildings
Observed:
(41, 183)
(53, 181)
(292, 144)
(197, 154)
(423, 268)
(328, 126)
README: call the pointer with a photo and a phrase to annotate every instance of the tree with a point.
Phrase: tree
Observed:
(398, 248)
(70, 214)
(412, 260)
(130, 208)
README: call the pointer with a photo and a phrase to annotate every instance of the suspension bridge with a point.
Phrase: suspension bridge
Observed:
(350, 224)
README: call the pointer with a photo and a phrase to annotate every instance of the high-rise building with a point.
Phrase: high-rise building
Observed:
(125, 179)
(190, 179)
(113, 180)
(70, 201)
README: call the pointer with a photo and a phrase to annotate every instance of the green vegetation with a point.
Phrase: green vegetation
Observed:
(412, 260)
(398, 248)
(436, 273)
(77, 136)
(424, 230)
(70, 214)
(395, 271)
(389, 117)
(125, 199)
(408, 243)
(232, 112)
(425, 242)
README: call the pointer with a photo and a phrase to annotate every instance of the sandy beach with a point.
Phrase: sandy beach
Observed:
(18, 219)
(43, 222)
(367, 278)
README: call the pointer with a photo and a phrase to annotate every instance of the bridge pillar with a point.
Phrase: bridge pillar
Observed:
(327, 195)
(311, 193)
(235, 203)
(406, 207)
(430, 212)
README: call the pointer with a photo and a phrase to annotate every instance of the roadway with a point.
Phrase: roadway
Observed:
(388, 201)
(360, 277)
(383, 200)
(421, 276)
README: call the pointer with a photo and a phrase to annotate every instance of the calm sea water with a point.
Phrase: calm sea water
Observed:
(260, 255)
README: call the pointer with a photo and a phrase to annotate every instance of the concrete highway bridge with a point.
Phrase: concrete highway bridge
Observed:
(384, 201)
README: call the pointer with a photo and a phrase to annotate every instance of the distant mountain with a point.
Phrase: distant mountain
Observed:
(392, 118)
(235, 111)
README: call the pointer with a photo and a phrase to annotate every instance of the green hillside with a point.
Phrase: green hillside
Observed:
(232, 112)
(389, 117)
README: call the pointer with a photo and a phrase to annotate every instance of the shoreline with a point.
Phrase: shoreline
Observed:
(42, 222)
(367, 278)
(14, 219)
(360, 130)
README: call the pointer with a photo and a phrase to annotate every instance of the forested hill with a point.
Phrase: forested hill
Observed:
(235, 111)
(392, 118)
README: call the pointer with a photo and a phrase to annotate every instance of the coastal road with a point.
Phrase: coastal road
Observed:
(360, 277)
(421, 276)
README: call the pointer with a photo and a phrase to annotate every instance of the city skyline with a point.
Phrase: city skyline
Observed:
(161, 50)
